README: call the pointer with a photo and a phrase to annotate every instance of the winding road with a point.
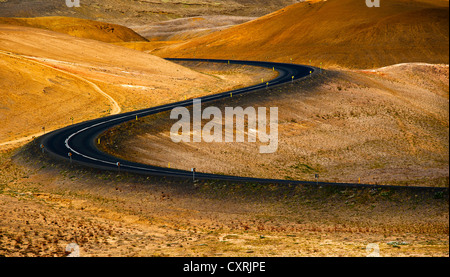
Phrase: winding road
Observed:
(80, 139)
(115, 106)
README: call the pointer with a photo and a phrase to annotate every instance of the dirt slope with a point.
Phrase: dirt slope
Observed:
(49, 77)
(46, 206)
(138, 12)
(343, 33)
(186, 28)
(78, 28)
(30, 90)
(388, 126)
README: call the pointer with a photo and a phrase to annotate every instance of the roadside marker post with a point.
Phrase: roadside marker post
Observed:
(42, 148)
(193, 174)
(43, 129)
(70, 157)
(231, 94)
(317, 178)
(118, 166)
(71, 119)
(292, 79)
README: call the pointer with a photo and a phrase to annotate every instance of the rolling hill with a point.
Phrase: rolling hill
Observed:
(385, 126)
(340, 33)
(139, 12)
(76, 27)
(46, 78)
(190, 27)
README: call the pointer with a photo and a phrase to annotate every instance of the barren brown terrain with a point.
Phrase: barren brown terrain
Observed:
(76, 27)
(186, 28)
(47, 205)
(378, 113)
(55, 75)
(332, 34)
(176, 31)
(140, 12)
(385, 126)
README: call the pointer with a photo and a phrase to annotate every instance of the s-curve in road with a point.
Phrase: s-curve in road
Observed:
(77, 143)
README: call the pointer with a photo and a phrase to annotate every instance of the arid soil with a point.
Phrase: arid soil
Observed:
(55, 76)
(385, 126)
(186, 28)
(368, 124)
(76, 27)
(140, 12)
(333, 33)
(46, 205)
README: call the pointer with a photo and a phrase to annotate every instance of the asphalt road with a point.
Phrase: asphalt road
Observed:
(80, 139)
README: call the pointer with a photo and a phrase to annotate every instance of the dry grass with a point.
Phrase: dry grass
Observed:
(47, 205)
(336, 33)
(399, 116)
(388, 126)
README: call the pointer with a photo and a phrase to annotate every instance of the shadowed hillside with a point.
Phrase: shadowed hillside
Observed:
(187, 28)
(385, 126)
